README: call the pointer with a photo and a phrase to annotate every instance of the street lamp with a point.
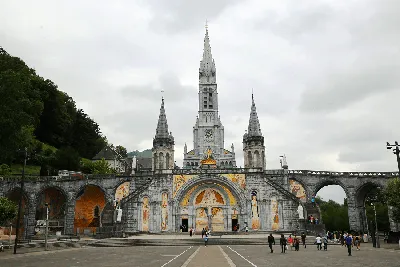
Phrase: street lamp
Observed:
(20, 202)
(378, 245)
(46, 233)
(396, 151)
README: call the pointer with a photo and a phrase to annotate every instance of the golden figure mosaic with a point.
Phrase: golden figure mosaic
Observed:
(145, 214)
(209, 197)
(275, 214)
(201, 218)
(237, 178)
(255, 217)
(122, 191)
(179, 181)
(217, 221)
(164, 211)
(298, 189)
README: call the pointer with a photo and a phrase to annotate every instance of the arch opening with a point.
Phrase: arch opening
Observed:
(14, 195)
(90, 203)
(56, 201)
(369, 199)
(330, 207)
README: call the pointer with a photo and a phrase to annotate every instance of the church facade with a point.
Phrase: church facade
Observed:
(210, 191)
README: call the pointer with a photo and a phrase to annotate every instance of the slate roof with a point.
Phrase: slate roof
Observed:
(143, 163)
(106, 153)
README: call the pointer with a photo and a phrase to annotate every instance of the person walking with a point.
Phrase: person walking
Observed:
(325, 241)
(290, 242)
(357, 242)
(296, 244)
(303, 239)
(203, 232)
(271, 240)
(349, 243)
(190, 231)
(283, 243)
(313, 201)
(205, 238)
(319, 242)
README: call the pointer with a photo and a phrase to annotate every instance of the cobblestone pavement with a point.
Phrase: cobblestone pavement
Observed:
(200, 256)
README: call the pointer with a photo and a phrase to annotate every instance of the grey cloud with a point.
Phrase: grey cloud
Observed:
(181, 16)
(169, 83)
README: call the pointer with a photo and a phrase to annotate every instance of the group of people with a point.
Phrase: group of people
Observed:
(312, 220)
(293, 242)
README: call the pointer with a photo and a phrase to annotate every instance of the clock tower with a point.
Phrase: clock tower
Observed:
(208, 132)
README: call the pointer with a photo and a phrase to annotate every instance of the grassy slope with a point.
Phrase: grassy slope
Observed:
(29, 170)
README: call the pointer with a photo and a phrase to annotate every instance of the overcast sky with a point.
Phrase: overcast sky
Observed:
(325, 73)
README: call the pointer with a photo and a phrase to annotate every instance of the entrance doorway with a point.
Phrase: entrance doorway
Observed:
(235, 225)
(185, 225)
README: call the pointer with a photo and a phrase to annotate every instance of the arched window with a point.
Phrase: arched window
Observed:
(230, 163)
(167, 161)
(155, 160)
(256, 159)
(161, 160)
(249, 159)
(222, 164)
(196, 163)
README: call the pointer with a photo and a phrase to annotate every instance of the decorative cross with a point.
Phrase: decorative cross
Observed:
(162, 94)
(206, 24)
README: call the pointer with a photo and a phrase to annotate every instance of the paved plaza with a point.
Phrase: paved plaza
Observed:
(200, 256)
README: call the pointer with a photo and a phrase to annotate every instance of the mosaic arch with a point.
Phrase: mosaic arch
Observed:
(90, 203)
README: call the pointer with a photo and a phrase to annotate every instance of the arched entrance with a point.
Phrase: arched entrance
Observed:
(56, 201)
(210, 204)
(369, 198)
(90, 203)
(14, 195)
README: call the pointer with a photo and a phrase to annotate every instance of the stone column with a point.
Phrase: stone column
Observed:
(395, 227)
(354, 214)
(228, 215)
(29, 219)
(69, 216)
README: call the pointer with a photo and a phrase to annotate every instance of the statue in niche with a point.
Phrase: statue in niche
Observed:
(255, 220)
(300, 211)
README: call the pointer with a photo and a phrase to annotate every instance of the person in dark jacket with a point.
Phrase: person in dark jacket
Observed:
(303, 239)
(349, 243)
(283, 243)
(271, 240)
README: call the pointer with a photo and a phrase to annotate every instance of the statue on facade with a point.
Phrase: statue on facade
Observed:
(300, 211)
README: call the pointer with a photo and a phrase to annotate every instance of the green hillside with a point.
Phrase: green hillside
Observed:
(140, 154)
(35, 114)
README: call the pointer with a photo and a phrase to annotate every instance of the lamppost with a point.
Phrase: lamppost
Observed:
(396, 151)
(46, 233)
(378, 245)
(20, 202)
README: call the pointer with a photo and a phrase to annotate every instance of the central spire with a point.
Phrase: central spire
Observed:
(207, 71)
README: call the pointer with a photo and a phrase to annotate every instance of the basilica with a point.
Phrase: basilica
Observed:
(210, 191)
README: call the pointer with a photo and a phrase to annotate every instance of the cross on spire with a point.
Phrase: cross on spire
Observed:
(206, 26)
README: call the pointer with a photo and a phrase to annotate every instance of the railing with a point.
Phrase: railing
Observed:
(331, 173)
(281, 189)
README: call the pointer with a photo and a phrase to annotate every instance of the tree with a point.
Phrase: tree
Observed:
(121, 151)
(5, 169)
(102, 167)
(8, 210)
(334, 215)
(66, 159)
(392, 197)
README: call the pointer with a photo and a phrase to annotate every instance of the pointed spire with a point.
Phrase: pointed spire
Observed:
(254, 123)
(207, 65)
(185, 149)
(162, 126)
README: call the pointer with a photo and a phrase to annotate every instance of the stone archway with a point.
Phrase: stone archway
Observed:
(210, 202)
(14, 195)
(56, 199)
(90, 202)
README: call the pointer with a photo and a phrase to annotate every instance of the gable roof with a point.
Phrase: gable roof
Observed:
(106, 153)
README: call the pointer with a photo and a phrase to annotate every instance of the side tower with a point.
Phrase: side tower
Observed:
(253, 141)
(163, 144)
